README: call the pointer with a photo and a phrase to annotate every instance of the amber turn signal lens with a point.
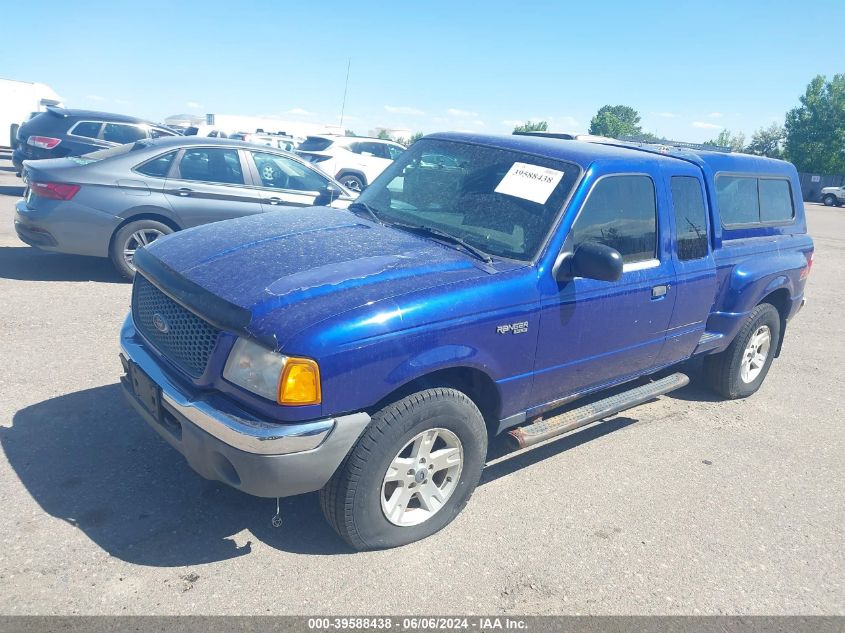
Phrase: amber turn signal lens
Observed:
(300, 382)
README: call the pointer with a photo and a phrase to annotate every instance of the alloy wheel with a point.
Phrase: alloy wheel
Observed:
(139, 238)
(422, 477)
(755, 354)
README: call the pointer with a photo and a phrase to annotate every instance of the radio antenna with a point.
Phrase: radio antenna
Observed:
(345, 89)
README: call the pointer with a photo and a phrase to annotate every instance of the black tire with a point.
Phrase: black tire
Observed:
(123, 240)
(13, 135)
(353, 182)
(352, 500)
(724, 370)
(830, 200)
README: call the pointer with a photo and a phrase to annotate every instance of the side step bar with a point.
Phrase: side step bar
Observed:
(542, 430)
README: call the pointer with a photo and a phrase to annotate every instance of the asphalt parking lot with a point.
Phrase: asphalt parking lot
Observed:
(686, 505)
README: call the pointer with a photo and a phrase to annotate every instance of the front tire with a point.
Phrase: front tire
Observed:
(739, 371)
(830, 201)
(353, 182)
(129, 238)
(411, 472)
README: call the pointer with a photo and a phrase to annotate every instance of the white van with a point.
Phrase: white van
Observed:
(19, 101)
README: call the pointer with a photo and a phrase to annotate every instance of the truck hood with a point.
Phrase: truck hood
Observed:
(295, 267)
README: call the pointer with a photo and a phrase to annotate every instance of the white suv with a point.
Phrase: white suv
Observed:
(353, 160)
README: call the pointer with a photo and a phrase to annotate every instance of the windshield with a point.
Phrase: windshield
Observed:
(500, 201)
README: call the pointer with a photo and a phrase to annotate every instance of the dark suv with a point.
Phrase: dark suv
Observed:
(59, 132)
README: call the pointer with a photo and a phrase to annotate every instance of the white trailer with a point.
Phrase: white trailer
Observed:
(18, 101)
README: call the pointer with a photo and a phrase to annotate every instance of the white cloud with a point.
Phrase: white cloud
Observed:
(666, 115)
(194, 105)
(464, 114)
(301, 112)
(403, 110)
(479, 123)
(512, 122)
(95, 98)
(714, 115)
(706, 126)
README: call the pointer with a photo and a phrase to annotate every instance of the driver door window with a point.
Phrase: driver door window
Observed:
(621, 213)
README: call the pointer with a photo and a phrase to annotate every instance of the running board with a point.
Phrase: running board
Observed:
(542, 430)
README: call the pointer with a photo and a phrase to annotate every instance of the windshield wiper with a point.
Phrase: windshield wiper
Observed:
(369, 210)
(446, 237)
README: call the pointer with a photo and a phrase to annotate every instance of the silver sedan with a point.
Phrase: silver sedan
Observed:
(111, 202)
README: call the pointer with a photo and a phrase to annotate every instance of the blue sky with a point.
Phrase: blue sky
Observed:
(689, 68)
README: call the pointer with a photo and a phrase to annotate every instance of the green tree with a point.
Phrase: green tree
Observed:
(767, 141)
(407, 142)
(616, 121)
(384, 135)
(815, 130)
(350, 133)
(531, 126)
(736, 142)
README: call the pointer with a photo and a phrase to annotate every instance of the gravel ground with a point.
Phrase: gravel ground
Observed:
(686, 505)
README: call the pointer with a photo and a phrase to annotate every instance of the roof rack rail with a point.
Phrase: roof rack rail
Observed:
(679, 144)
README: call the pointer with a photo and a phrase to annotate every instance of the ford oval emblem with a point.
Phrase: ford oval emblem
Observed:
(160, 323)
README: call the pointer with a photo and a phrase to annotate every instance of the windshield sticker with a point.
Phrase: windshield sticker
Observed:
(529, 182)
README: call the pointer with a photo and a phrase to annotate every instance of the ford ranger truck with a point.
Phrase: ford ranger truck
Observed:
(481, 285)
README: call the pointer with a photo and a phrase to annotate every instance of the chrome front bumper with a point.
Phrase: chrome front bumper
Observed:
(267, 459)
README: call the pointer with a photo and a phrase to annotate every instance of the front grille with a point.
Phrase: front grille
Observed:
(180, 335)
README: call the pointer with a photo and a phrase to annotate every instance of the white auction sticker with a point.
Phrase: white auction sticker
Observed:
(529, 182)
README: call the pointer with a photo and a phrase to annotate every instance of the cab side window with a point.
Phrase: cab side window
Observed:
(620, 212)
(690, 217)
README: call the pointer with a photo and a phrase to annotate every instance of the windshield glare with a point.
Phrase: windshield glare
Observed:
(501, 201)
(101, 154)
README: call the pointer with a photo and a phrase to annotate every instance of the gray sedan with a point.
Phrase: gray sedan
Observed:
(111, 202)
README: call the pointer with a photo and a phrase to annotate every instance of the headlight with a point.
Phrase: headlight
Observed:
(283, 379)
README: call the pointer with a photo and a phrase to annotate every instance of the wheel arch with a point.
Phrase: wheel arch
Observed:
(143, 213)
(781, 299)
(472, 381)
(353, 172)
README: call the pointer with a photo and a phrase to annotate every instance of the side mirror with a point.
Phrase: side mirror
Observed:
(591, 260)
(327, 196)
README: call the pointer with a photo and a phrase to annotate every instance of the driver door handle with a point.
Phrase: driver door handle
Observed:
(184, 191)
(274, 200)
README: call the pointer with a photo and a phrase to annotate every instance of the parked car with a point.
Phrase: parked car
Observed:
(278, 141)
(60, 132)
(832, 196)
(354, 160)
(371, 353)
(109, 203)
(204, 130)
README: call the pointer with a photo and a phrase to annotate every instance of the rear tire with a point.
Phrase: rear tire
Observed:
(386, 495)
(830, 201)
(13, 135)
(739, 371)
(131, 236)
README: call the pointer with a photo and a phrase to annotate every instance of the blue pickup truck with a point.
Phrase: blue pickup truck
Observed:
(481, 285)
